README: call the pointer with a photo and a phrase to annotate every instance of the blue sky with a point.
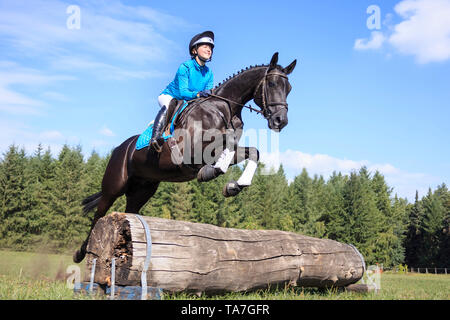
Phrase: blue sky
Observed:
(361, 96)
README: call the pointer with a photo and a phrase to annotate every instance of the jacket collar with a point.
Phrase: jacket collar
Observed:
(197, 66)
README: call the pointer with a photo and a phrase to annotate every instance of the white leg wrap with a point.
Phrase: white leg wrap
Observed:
(246, 178)
(225, 159)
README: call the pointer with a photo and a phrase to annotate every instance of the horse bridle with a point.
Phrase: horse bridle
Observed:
(265, 110)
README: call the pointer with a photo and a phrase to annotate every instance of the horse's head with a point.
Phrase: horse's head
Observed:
(271, 94)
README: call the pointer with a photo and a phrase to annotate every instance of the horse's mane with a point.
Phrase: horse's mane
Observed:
(242, 71)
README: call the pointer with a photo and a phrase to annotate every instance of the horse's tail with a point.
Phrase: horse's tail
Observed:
(91, 202)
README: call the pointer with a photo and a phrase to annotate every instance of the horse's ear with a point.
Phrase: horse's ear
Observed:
(274, 61)
(290, 67)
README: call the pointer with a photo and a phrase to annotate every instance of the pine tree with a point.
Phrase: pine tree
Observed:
(40, 172)
(414, 235)
(399, 221)
(365, 220)
(315, 225)
(229, 213)
(67, 224)
(14, 198)
(93, 174)
(181, 201)
(274, 187)
(432, 227)
(159, 204)
(253, 202)
(204, 208)
(336, 218)
(301, 192)
(444, 243)
(390, 238)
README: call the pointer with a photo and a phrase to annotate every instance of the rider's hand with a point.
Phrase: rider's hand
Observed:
(204, 94)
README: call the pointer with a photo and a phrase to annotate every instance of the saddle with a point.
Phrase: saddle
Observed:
(176, 109)
(173, 113)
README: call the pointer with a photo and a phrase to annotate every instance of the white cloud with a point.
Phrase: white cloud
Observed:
(102, 70)
(105, 131)
(51, 135)
(14, 102)
(404, 183)
(424, 31)
(22, 135)
(115, 41)
(55, 96)
(376, 41)
(108, 28)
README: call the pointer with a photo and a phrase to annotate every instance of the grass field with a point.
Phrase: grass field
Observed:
(25, 276)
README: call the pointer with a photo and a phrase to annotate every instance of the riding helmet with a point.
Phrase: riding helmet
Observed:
(206, 37)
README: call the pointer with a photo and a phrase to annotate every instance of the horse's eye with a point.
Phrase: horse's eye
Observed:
(271, 84)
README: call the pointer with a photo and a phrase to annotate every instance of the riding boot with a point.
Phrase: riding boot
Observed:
(158, 126)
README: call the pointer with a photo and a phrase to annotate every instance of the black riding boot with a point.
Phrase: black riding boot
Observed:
(158, 126)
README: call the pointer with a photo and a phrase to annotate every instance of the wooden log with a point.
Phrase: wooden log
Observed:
(199, 257)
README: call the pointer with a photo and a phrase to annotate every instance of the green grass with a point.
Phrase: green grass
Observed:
(35, 276)
(410, 286)
(25, 276)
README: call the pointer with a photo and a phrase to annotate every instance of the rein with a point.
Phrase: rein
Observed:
(239, 104)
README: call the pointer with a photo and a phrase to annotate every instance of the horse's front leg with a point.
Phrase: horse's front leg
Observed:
(212, 171)
(232, 188)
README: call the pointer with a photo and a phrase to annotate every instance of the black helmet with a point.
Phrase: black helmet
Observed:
(206, 37)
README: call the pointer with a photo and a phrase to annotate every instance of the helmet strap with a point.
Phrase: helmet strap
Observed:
(197, 55)
(203, 59)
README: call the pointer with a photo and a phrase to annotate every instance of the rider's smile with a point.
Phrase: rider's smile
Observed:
(205, 52)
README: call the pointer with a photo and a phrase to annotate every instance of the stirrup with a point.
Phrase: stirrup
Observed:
(156, 145)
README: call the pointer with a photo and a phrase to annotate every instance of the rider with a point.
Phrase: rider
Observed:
(192, 80)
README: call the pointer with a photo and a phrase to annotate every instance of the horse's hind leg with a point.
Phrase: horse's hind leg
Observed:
(138, 194)
(114, 184)
(106, 201)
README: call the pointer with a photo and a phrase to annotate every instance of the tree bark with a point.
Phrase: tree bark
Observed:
(200, 257)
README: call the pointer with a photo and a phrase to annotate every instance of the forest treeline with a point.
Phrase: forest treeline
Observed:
(41, 207)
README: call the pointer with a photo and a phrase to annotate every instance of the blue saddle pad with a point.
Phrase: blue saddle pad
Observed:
(144, 139)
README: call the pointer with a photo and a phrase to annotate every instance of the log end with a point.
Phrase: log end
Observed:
(111, 238)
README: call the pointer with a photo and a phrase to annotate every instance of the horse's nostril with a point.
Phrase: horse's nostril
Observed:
(277, 121)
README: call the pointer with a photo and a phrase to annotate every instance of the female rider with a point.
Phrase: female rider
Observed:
(192, 80)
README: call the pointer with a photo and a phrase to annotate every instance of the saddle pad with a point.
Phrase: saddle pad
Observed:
(144, 139)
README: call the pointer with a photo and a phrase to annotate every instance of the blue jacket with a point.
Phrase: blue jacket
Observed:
(189, 80)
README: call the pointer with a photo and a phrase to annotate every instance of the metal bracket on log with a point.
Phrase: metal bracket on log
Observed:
(148, 256)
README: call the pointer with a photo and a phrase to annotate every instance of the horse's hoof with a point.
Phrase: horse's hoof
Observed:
(78, 256)
(231, 189)
(207, 173)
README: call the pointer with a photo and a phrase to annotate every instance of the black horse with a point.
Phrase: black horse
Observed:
(189, 155)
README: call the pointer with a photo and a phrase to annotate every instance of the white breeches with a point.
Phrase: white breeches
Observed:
(164, 100)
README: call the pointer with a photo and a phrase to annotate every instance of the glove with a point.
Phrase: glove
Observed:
(204, 94)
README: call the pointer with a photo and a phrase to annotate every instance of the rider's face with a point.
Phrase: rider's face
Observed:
(204, 51)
